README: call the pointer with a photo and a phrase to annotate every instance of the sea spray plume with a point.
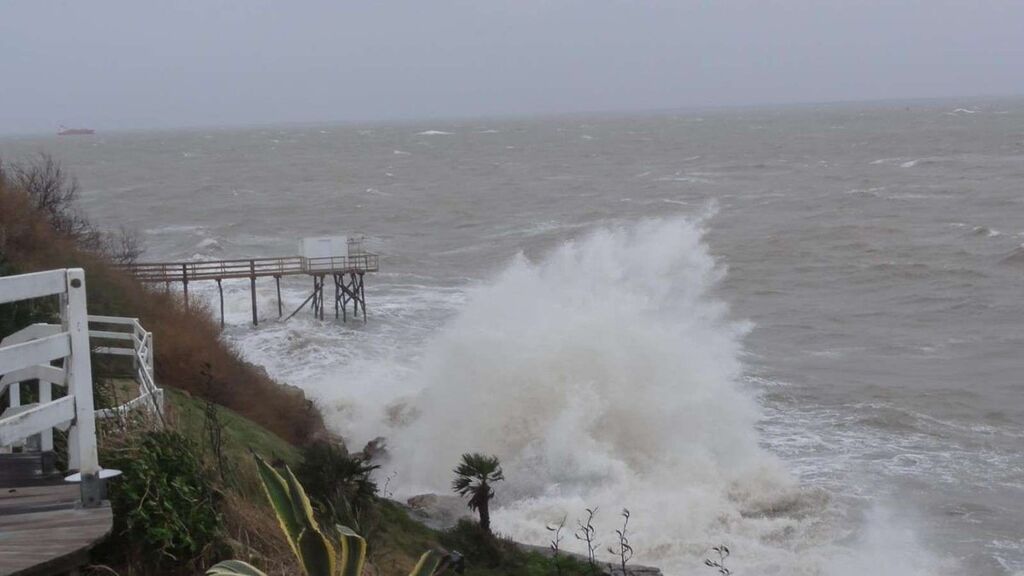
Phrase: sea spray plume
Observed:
(604, 372)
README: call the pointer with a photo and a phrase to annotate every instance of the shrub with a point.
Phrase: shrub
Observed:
(164, 503)
(339, 482)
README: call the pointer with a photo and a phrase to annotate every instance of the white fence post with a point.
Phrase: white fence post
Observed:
(45, 396)
(80, 386)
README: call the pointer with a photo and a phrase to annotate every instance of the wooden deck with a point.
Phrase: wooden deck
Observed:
(44, 531)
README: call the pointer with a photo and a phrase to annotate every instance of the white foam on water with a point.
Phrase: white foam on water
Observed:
(434, 133)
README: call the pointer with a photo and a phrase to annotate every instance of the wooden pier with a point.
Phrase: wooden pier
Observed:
(346, 273)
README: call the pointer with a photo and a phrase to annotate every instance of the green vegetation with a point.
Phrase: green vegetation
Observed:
(241, 436)
(342, 553)
(339, 483)
(473, 477)
(164, 502)
(489, 555)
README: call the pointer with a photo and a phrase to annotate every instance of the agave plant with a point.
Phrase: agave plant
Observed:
(341, 553)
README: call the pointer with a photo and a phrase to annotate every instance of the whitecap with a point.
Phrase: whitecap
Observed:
(434, 133)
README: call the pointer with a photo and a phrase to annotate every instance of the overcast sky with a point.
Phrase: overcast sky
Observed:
(137, 64)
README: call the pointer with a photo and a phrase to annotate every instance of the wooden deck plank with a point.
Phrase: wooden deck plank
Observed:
(44, 531)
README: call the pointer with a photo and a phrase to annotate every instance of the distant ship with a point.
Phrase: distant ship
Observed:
(75, 131)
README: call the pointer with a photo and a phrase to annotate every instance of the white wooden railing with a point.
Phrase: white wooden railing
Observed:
(31, 353)
(150, 397)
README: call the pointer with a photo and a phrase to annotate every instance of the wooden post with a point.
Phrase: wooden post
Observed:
(337, 294)
(344, 299)
(220, 290)
(280, 310)
(252, 287)
(354, 294)
(184, 282)
(321, 297)
(79, 368)
(362, 296)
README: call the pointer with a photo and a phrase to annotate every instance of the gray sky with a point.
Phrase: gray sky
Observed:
(135, 63)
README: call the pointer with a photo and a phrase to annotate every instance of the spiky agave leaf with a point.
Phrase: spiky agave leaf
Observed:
(234, 568)
(317, 557)
(280, 498)
(317, 553)
(302, 507)
(428, 563)
(353, 551)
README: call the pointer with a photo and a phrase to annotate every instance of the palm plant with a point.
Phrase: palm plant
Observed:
(473, 478)
(340, 552)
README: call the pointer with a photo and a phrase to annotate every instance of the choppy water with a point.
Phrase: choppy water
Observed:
(795, 331)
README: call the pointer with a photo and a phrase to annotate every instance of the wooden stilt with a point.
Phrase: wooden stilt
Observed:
(280, 310)
(337, 294)
(321, 297)
(313, 304)
(220, 290)
(184, 283)
(252, 287)
(362, 296)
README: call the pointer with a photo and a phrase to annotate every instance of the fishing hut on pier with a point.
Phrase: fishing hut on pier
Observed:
(343, 259)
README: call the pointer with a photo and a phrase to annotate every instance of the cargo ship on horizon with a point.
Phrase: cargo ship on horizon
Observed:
(65, 131)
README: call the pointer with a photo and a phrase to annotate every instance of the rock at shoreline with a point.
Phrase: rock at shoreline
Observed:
(440, 512)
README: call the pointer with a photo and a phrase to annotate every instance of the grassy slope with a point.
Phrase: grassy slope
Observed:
(240, 435)
(396, 540)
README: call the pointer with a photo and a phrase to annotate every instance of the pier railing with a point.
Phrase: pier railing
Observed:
(252, 268)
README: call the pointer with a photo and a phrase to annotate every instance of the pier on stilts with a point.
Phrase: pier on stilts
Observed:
(346, 273)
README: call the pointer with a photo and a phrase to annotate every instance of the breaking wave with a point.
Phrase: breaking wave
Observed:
(608, 375)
